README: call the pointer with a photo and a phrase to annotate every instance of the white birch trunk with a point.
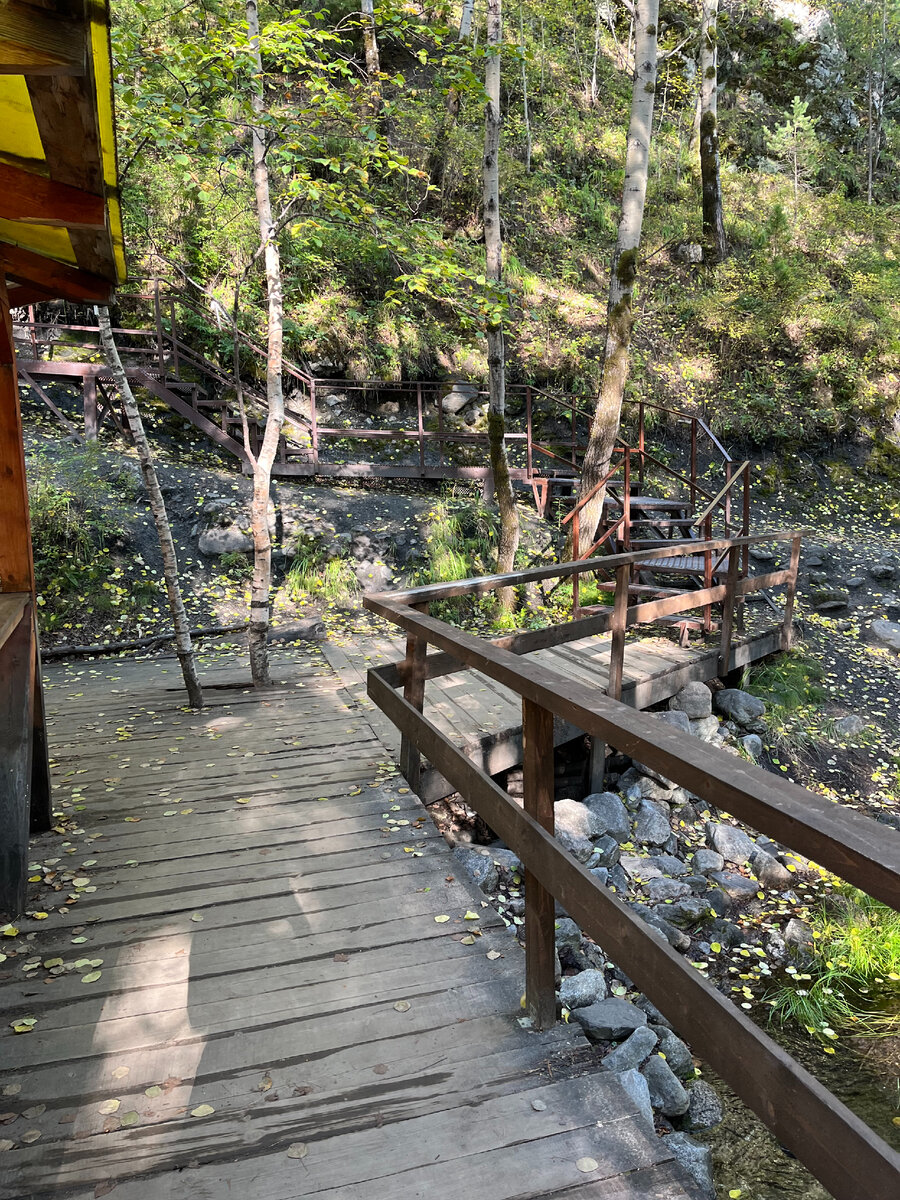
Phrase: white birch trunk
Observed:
(465, 20)
(261, 583)
(370, 41)
(620, 319)
(493, 245)
(713, 223)
(183, 647)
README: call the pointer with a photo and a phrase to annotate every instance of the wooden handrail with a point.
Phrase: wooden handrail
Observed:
(717, 499)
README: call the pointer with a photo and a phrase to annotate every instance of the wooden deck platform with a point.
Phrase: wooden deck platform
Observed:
(254, 997)
(484, 718)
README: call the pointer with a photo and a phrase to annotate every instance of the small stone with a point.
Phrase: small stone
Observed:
(668, 864)
(579, 847)
(667, 1093)
(694, 699)
(797, 933)
(696, 1160)
(769, 871)
(576, 819)
(688, 911)
(704, 861)
(660, 890)
(678, 1056)
(568, 936)
(606, 852)
(611, 815)
(736, 887)
(652, 824)
(753, 744)
(676, 938)
(882, 571)
(480, 866)
(639, 867)
(704, 1106)
(849, 726)
(740, 706)
(610, 1020)
(725, 932)
(539, 1106)
(732, 843)
(635, 1085)
(706, 729)
(632, 1052)
(829, 599)
(578, 991)
(886, 633)
(854, 582)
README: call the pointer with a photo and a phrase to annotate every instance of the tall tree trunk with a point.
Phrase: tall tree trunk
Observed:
(373, 64)
(183, 646)
(509, 518)
(465, 20)
(525, 93)
(713, 225)
(620, 319)
(261, 584)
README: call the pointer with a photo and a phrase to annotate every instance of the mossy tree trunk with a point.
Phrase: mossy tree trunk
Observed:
(261, 582)
(714, 247)
(620, 318)
(183, 646)
(493, 244)
(370, 41)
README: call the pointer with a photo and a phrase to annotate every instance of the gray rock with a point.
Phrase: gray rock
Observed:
(886, 633)
(457, 399)
(797, 933)
(704, 1106)
(480, 866)
(654, 1016)
(373, 576)
(696, 1160)
(578, 991)
(725, 932)
(610, 814)
(667, 1094)
(829, 599)
(736, 887)
(639, 867)
(601, 874)
(732, 843)
(706, 861)
(576, 819)
(610, 1020)
(652, 824)
(659, 890)
(632, 1052)
(568, 936)
(606, 852)
(849, 726)
(753, 744)
(740, 706)
(854, 582)
(507, 861)
(229, 539)
(694, 699)
(717, 901)
(688, 911)
(579, 847)
(668, 864)
(676, 938)
(618, 879)
(706, 728)
(883, 571)
(688, 252)
(678, 1056)
(636, 1086)
(652, 789)
(769, 871)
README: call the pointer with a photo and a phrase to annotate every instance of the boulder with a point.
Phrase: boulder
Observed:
(684, 912)
(632, 1052)
(660, 890)
(457, 399)
(704, 861)
(227, 539)
(883, 571)
(678, 1056)
(736, 887)
(704, 1106)
(694, 700)
(740, 706)
(849, 726)
(732, 843)
(636, 1086)
(652, 824)
(578, 991)
(576, 819)
(479, 865)
(610, 814)
(886, 633)
(769, 871)
(667, 1094)
(696, 1160)
(610, 1020)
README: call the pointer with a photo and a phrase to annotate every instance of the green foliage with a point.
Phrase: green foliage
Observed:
(853, 980)
(235, 564)
(316, 574)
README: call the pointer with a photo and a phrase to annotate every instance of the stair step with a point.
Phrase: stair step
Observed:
(654, 543)
(652, 503)
(677, 523)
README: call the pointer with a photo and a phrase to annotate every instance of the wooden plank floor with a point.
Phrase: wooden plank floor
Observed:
(255, 997)
(484, 718)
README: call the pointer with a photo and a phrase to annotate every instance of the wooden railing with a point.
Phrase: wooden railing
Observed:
(837, 1147)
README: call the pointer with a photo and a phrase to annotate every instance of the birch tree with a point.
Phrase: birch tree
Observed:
(370, 41)
(493, 244)
(713, 224)
(620, 316)
(183, 647)
(261, 582)
(465, 20)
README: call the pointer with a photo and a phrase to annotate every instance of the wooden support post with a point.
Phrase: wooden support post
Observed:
(707, 575)
(41, 812)
(693, 462)
(734, 560)
(791, 592)
(626, 500)
(176, 366)
(314, 428)
(641, 447)
(16, 732)
(617, 625)
(157, 312)
(529, 465)
(420, 427)
(414, 694)
(89, 392)
(540, 923)
(597, 765)
(16, 565)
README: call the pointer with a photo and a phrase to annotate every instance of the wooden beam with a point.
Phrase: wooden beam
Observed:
(65, 283)
(16, 567)
(40, 201)
(41, 39)
(16, 734)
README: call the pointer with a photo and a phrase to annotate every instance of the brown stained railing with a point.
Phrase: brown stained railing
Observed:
(837, 1147)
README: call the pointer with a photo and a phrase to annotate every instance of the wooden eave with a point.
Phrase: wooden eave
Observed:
(60, 218)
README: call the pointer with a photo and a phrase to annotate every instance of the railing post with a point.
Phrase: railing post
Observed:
(89, 392)
(33, 333)
(641, 446)
(440, 428)
(626, 499)
(528, 462)
(414, 694)
(576, 554)
(787, 623)
(707, 574)
(693, 462)
(420, 426)
(313, 427)
(728, 469)
(157, 312)
(540, 921)
(734, 559)
(617, 625)
(175, 364)
(574, 436)
(745, 525)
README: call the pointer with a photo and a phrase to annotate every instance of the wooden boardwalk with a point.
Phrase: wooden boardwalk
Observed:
(255, 998)
(484, 718)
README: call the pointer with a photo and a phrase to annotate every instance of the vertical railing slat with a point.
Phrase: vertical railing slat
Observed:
(540, 922)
